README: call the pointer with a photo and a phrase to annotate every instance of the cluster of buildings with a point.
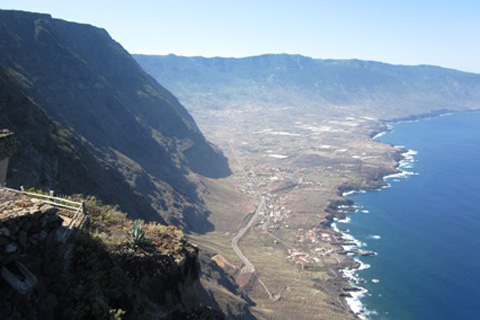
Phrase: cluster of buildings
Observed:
(302, 258)
(314, 235)
(275, 213)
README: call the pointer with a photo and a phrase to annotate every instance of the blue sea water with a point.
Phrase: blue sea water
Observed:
(428, 262)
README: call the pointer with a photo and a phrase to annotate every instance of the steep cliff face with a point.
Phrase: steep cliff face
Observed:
(90, 120)
(51, 156)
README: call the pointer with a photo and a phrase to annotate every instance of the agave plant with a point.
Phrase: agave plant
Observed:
(136, 236)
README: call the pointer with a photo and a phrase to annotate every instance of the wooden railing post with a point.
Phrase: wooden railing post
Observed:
(84, 208)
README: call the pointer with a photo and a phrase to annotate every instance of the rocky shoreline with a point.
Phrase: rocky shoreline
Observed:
(339, 210)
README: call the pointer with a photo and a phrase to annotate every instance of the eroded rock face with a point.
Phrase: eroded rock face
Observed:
(166, 274)
(167, 277)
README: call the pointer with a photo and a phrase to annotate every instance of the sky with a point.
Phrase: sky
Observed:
(444, 33)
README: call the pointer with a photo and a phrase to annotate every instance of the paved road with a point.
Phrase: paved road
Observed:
(261, 207)
(248, 265)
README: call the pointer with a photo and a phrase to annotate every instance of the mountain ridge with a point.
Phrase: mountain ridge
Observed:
(362, 87)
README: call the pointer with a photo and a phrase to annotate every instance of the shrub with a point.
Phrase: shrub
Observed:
(136, 237)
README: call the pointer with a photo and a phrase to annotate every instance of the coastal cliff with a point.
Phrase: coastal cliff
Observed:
(90, 120)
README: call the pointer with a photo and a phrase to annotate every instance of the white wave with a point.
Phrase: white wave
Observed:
(408, 159)
(405, 163)
(394, 175)
(380, 134)
(355, 304)
(350, 273)
(356, 244)
(347, 236)
(334, 226)
(346, 220)
(347, 193)
(363, 265)
(411, 152)
(354, 301)
(401, 174)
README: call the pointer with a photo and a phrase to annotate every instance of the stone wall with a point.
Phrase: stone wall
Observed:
(28, 238)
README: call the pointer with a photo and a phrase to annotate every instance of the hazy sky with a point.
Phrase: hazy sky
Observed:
(445, 33)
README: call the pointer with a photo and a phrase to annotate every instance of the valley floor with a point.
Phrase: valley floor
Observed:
(300, 168)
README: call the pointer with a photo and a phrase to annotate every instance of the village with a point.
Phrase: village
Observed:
(312, 247)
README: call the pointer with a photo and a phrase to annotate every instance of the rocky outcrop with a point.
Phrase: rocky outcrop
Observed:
(90, 276)
(159, 280)
(166, 274)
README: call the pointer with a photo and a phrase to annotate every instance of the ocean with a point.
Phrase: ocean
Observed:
(425, 228)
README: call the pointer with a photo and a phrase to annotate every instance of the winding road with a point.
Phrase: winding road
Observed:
(261, 206)
(248, 265)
